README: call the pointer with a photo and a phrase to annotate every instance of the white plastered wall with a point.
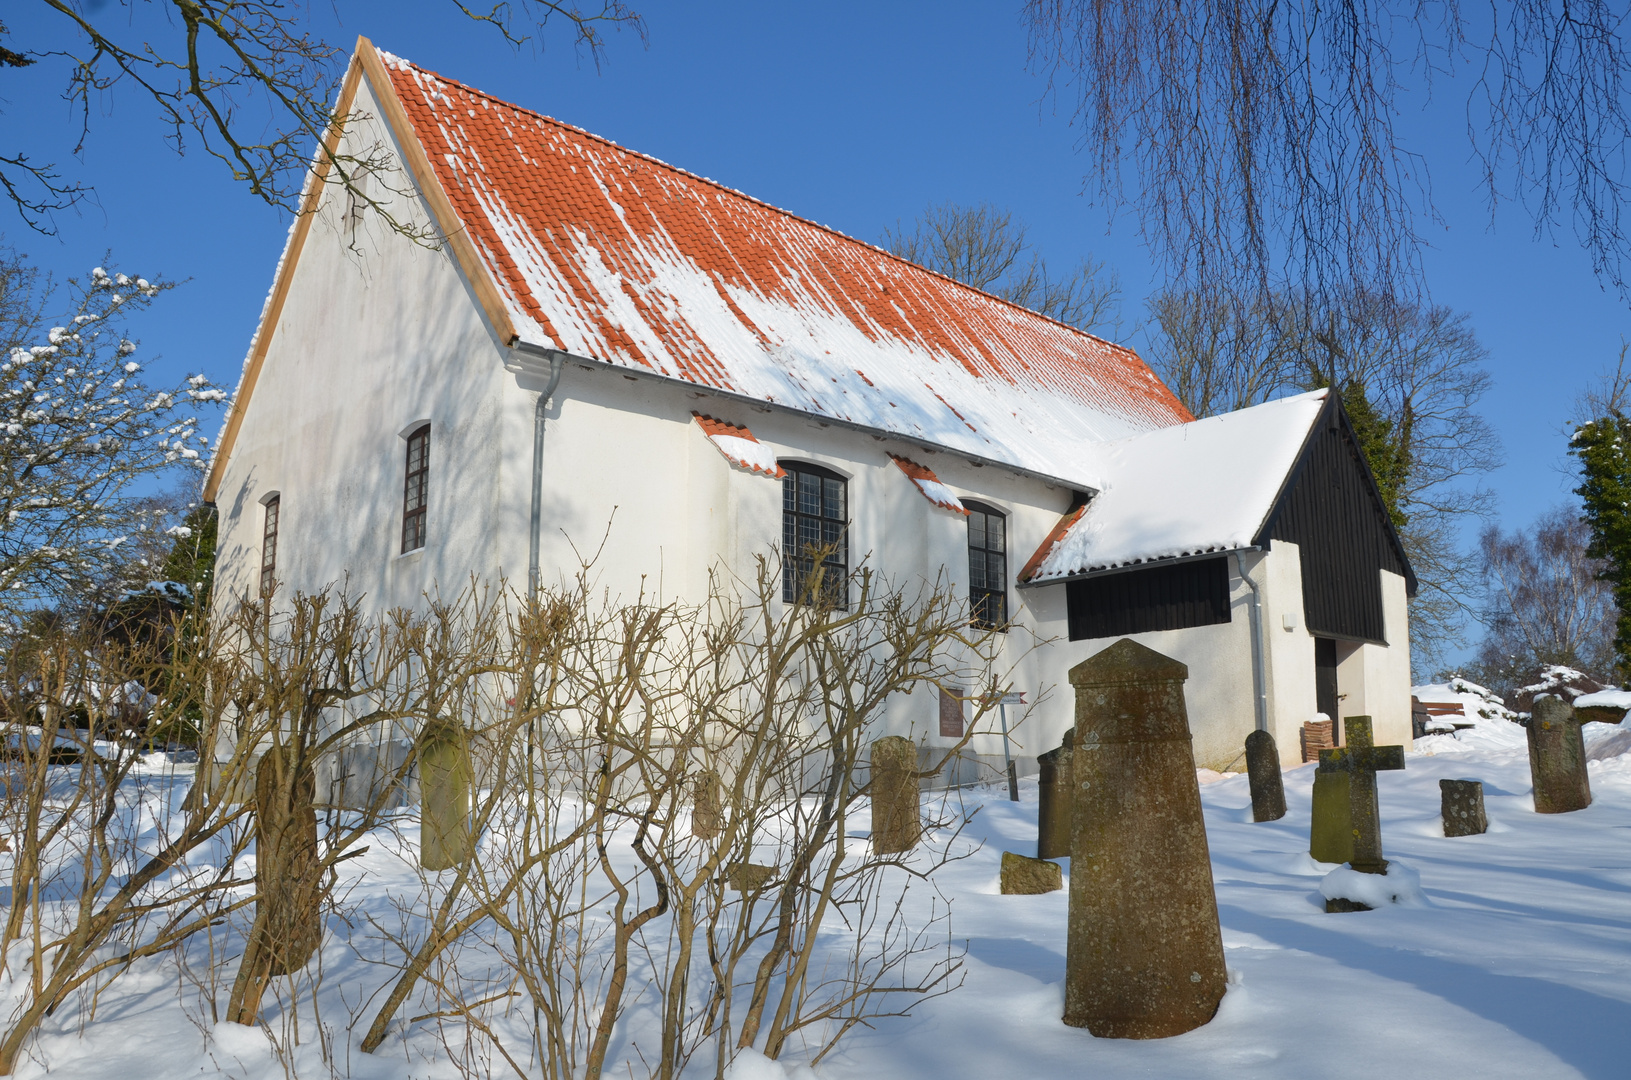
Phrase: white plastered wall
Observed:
(1374, 680)
(1219, 696)
(377, 334)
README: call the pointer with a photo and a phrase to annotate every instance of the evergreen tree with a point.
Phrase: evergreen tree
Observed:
(1603, 447)
(1386, 447)
(191, 561)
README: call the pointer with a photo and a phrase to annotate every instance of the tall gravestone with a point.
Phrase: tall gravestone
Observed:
(1263, 773)
(1144, 956)
(896, 819)
(445, 781)
(1054, 800)
(1557, 758)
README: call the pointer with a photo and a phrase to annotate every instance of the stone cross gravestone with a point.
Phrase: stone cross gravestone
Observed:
(896, 821)
(1361, 760)
(1263, 772)
(1143, 954)
(1053, 801)
(1462, 806)
(1557, 758)
(444, 796)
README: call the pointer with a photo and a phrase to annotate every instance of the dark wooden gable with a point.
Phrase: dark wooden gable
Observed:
(1331, 509)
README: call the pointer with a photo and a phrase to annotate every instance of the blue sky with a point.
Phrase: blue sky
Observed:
(855, 115)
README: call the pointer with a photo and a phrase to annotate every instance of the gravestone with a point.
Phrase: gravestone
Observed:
(1330, 825)
(1361, 760)
(748, 877)
(1462, 805)
(1263, 772)
(444, 796)
(1053, 801)
(707, 812)
(1557, 758)
(1029, 877)
(896, 822)
(1143, 955)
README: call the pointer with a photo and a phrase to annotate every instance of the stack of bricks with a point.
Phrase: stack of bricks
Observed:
(1317, 735)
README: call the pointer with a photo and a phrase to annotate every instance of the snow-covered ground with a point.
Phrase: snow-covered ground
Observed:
(1518, 963)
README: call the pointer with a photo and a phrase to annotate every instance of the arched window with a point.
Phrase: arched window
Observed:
(414, 490)
(815, 517)
(987, 565)
(269, 545)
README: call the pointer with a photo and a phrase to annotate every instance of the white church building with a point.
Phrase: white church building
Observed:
(692, 375)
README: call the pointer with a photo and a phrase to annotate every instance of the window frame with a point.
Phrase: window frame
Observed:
(982, 598)
(796, 569)
(414, 514)
(271, 518)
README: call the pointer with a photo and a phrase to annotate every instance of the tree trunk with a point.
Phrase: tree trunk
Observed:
(288, 923)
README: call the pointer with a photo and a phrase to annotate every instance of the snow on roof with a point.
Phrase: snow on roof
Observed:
(609, 254)
(1184, 490)
(739, 446)
(927, 482)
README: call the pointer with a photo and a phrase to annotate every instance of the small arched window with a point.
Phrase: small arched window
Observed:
(414, 490)
(815, 520)
(987, 565)
(269, 545)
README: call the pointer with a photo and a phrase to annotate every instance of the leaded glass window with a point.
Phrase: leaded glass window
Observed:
(987, 565)
(815, 519)
(413, 494)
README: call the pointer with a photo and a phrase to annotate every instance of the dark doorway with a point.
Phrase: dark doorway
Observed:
(1325, 682)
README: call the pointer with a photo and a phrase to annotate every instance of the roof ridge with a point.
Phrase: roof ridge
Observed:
(750, 198)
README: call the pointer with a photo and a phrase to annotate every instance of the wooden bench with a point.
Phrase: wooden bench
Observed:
(1423, 713)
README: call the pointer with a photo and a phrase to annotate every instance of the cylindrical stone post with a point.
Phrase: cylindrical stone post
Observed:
(1263, 772)
(1144, 955)
(1557, 758)
(708, 812)
(896, 819)
(1054, 797)
(445, 838)
(1462, 807)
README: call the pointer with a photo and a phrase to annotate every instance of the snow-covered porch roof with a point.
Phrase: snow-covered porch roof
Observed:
(1188, 490)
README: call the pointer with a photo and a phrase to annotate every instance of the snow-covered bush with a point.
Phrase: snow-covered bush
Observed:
(82, 433)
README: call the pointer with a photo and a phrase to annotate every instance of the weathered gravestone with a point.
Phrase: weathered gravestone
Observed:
(1462, 805)
(1143, 956)
(1330, 825)
(1361, 760)
(1053, 801)
(1557, 758)
(707, 809)
(748, 877)
(896, 822)
(445, 777)
(1263, 773)
(1027, 877)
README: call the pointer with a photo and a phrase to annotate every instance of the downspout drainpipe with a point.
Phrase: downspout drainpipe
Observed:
(1259, 690)
(536, 525)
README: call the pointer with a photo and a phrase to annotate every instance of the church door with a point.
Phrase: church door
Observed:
(1325, 681)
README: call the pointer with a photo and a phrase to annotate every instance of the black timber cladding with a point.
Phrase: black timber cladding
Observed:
(1171, 596)
(1332, 511)
(1329, 507)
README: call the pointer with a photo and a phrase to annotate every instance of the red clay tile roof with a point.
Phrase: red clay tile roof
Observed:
(739, 446)
(928, 483)
(607, 253)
